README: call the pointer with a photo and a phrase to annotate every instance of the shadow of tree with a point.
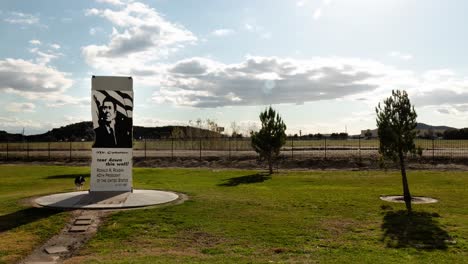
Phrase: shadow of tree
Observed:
(418, 230)
(68, 176)
(248, 179)
(25, 216)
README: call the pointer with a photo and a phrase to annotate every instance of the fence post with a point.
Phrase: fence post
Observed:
(359, 147)
(27, 150)
(200, 147)
(172, 148)
(229, 140)
(325, 147)
(70, 150)
(7, 150)
(292, 148)
(433, 152)
(48, 149)
(145, 147)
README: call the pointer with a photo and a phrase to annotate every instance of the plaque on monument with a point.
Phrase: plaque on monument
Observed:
(111, 107)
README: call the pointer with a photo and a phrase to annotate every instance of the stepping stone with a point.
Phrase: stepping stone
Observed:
(78, 229)
(43, 260)
(56, 249)
(40, 262)
(84, 217)
(82, 222)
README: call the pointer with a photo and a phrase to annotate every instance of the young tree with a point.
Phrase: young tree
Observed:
(235, 129)
(268, 141)
(396, 122)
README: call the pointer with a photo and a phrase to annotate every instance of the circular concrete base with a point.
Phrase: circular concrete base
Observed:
(106, 200)
(414, 199)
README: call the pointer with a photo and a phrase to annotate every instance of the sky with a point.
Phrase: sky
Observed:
(324, 65)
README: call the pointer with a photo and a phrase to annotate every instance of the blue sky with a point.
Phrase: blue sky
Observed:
(323, 64)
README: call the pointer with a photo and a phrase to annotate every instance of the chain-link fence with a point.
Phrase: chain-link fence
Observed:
(227, 148)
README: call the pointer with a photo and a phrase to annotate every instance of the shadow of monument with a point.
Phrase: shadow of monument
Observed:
(24, 217)
(68, 176)
(248, 179)
(417, 230)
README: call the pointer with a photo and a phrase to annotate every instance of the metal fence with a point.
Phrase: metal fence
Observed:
(225, 147)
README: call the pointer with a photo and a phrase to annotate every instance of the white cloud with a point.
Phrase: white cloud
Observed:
(454, 110)
(205, 83)
(222, 32)
(16, 124)
(253, 27)
(59, 98)
(74, 119)
(20, 107)
(62, 100)
(55, 46)
(317, 13)
(35, 42)
(94, 30)
(262, 80)
(17, 75)
(140, 37)
(301, 3)
(44, 57)
(401, 55)
(111, 2)
(249, 27)
(22, 18)
(443, 111)
(155, 122)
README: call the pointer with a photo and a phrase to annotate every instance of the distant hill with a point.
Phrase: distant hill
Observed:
(423, 130)
(4, 136)
(83, 131)
(422, 126)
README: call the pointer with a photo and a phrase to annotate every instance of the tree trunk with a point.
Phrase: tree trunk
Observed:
(406, 191)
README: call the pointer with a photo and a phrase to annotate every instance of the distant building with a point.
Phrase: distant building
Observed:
(369, 133)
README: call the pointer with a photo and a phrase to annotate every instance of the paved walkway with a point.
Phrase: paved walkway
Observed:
(84, 223)
(106, 200)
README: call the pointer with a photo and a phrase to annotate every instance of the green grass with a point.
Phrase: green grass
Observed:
(238, 216)
(22, 227)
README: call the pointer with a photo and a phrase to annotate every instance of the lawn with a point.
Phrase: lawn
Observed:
(239, 216)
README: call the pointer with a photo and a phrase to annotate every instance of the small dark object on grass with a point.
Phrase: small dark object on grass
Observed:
(279, 250)
(79, 181)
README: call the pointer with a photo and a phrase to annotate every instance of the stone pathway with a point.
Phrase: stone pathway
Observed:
(82, 226)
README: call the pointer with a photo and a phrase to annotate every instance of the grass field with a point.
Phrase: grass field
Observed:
(238, 216)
